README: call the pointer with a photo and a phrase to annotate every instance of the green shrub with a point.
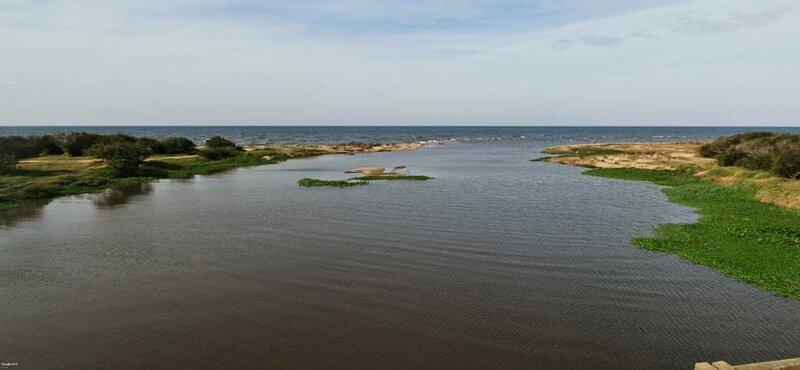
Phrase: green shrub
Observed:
(8, 155)
(117, 138)
(15, 148)
(124, 158)
(48, 145)
(724, 143)
(178, 145)
(787, 163)
(761, 162)
(730, 158)
(220, 142)
(76, 143)
(308, 182)
(217, 153)
(153, 145)
(764, 151)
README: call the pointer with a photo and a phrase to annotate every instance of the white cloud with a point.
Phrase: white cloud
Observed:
(157, 62)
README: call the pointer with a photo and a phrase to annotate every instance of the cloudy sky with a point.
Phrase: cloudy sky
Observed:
(398, 62)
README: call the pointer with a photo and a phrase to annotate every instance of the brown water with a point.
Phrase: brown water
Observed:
(497, 263)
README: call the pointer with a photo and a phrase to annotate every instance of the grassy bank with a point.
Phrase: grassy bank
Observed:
(44, 178)
(737, 234)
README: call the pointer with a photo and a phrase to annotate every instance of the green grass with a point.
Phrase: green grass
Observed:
(308, 182)
(743, 238)
(389, 178)
(581, 154)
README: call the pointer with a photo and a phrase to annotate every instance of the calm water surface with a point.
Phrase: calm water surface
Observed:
(497, 263)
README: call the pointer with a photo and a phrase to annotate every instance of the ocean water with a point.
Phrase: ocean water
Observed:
(344, 134)
(496, 263)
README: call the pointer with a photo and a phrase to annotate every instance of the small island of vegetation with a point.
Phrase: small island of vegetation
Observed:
(361, 180)
(744, 188)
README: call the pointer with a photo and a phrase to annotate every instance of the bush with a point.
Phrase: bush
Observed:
(724, 143)
(76, 143)
(761, 162)
(123, 157)
(707, 150)
(8, 154)
(220, 142)
(730, 158)
(216, 153)
(15, 148)
(765, 151)
(153, 145)
(117, 138)
(787, 163)
(48, 145)
(178, 145)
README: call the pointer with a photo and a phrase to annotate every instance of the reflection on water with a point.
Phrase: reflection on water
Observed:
(11, 217)
(113, 197)
(106, 199)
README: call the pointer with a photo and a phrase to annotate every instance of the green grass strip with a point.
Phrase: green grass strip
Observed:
(736, 234)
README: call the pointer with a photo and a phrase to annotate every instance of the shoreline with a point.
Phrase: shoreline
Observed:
(42, 179)
(741, 231)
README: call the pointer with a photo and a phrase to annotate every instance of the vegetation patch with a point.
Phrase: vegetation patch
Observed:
(308, 182)
(743, 238)
(362, 180)
(393, 177)
(765, 151)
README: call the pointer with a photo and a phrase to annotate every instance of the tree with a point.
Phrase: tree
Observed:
(153, 145)
(123, 157)
(76, 143)
(15, 148)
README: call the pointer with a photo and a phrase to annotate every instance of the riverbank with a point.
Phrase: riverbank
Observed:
(743, 231)
(43, 178)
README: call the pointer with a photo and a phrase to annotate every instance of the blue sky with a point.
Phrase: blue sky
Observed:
(393, 62)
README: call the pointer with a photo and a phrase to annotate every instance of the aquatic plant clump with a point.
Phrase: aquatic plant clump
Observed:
(309, 182)
(355, 181)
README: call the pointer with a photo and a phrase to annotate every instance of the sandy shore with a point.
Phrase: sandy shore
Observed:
(649, 156)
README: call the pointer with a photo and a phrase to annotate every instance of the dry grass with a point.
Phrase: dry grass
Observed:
(769, 188)
(647, 156)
